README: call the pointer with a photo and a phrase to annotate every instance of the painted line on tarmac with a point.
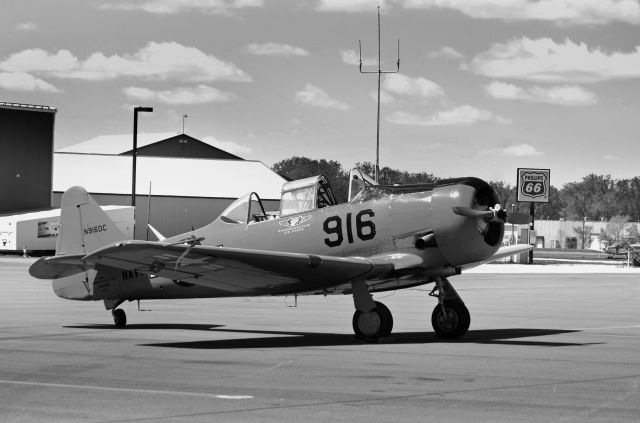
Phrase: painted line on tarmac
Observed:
(28, 290)
(612, 327)
(130, 390)
(514, 285)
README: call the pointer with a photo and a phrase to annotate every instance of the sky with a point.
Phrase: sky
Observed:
(484, 86)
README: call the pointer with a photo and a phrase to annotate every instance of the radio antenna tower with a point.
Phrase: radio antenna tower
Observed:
(379, 72)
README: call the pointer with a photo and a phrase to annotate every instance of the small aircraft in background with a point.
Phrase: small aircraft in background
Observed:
(384, 238)
(617, 249)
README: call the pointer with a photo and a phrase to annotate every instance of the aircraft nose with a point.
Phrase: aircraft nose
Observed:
(461, 238)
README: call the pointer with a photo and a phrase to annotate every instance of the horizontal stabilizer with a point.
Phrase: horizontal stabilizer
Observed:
(59, 266)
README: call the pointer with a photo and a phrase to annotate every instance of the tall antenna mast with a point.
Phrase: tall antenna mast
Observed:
(379, 72)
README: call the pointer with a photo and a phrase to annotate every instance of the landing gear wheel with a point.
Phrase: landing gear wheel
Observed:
(119, 317)
(454, 324)
(373, 324)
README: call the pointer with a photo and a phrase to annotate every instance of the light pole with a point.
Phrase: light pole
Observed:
(135, 149)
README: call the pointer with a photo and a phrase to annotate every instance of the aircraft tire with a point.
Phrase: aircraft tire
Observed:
(119, 317)
(373, 324)
(457, 322)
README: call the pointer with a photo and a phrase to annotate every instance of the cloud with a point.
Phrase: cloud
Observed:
(521, 150)
(461, 115)
(547, 61)
(228, 146)
(398, 83)
(446, 53)
(183, 95)
(351, 57)
(610, 157)
(22, 81)
(314, 96)
(385, 97)
(159, 61)
(350, 6)
(26, 26)
(564, 95)
(171, 7)
(566, 11)
(41, 61)
(276, 49)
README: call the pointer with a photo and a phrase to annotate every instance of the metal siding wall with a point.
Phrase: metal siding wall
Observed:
(170, 215)
(26, 149)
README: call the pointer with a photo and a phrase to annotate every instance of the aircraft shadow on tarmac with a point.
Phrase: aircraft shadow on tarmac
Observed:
(284, 339)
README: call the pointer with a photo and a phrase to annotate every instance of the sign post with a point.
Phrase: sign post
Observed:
(533, 186)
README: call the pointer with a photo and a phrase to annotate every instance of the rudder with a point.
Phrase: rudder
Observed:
(84, 226)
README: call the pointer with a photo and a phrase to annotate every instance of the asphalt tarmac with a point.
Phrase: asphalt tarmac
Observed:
(542, 347)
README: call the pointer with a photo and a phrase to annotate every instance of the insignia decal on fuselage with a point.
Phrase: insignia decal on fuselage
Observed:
(294, 224)
(294, 221)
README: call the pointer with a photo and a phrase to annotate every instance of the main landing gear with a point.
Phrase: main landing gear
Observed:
(450, 318)
(119, 317)
(373, 320)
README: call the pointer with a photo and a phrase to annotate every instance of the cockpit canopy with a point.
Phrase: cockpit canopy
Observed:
(297, 197)
(306, 194)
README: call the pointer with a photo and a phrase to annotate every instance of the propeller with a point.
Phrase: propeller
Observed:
(493, 214)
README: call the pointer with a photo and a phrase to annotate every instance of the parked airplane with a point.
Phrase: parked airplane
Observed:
(385, 238)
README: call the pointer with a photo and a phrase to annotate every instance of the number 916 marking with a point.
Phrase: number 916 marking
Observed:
(365, 229)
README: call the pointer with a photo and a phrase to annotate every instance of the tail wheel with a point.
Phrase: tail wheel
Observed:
(119, 317)
(454, 323)
(373, 324)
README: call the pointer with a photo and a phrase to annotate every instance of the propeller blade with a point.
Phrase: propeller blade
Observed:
(470, 212)
(518, 218)
(515, 218)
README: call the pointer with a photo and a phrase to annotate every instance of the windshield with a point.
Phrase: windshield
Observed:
(298, 201)
(238, 210)
(245, 209)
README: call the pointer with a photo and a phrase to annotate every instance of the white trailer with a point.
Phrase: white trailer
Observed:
(38, 231)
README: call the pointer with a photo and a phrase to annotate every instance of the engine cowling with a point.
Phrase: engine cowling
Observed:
(463, 239)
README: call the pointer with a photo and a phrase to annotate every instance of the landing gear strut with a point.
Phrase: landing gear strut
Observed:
(450, 318)
(372, 319)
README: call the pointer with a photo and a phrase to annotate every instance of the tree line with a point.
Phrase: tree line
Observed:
(595, 197)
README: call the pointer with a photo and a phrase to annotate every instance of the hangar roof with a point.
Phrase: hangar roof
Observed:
(115, 144)
(27, 107)
(179, 177)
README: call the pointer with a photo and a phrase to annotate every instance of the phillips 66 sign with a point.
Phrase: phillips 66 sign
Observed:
(533, 185)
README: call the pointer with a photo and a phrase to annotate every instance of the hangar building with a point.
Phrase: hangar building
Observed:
(181, 183)
(26, 147)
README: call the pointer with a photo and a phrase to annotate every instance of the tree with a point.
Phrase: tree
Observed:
(615, 230)
(553, 210)
(589, 198)
(633, 234)
(303, 167)
(584, 233)
(506, 193)
(390, 176)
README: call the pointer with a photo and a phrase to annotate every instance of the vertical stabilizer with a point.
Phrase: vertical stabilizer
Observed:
(85, 227)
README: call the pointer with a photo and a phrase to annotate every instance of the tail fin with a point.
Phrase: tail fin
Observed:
(85, 227)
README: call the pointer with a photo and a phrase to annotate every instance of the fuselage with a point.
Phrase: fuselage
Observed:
(380, 220)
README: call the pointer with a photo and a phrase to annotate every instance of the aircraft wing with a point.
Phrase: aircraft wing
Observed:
(236, 271)
(510, 250)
